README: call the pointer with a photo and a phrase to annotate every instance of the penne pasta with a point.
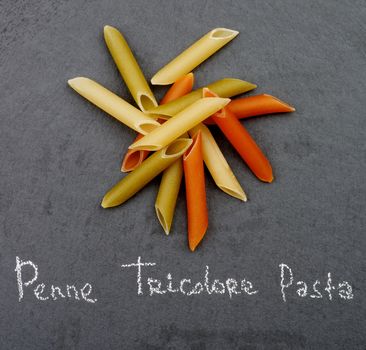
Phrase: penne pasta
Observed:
(256, 105)
(142, 175)
(113, 105)
(129, 68)
(241, 140)
(217, 164)
(195, 192)
(133, 158)
(194, 56)
(166, 199)
(168, 193)
(227, 87)
(180, 88)
(180, 123)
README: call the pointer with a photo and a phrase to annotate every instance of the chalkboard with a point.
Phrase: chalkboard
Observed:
(295, 252)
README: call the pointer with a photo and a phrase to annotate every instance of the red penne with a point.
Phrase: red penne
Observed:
(195, 192)
(241, 140)
(256, 105)
(133, 158)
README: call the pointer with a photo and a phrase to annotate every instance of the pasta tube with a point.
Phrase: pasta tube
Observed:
(113, 105)
(217, 164)
(180, 88)
(195, 193)
(194, 56)
(180, 123)
(133, 158)
(227, 87)
(168, 193)
(241, 140)
(166, 199)
(129, 68)
(256, 105)
(142, 175)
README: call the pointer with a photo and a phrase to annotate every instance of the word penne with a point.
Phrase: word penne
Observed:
(194, 56)
(113, 105)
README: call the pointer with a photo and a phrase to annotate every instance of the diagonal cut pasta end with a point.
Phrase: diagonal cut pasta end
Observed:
(132, 160)
(145, 127)
(236, 193)
(162, 220)
(177, 148)
(77, 82)
(109, 29)
(223, 34)
(145, 102)
(286, 106)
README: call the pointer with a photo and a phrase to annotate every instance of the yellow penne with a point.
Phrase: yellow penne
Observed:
(113, 105)
(168, 193)
(193, 56)
(217, 164)
(143, 174)
(129, 68)
(227, 87)
(180, 123)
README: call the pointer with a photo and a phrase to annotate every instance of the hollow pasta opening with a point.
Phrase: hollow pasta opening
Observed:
(162, 220)
(132, 161)
(146, 102)
(177, 146)
(148, 127)
(233, 193)
(223, 33)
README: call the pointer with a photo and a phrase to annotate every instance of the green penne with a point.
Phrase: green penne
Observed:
(168, 194)
(227, 87)
(143, 174)
(129, 68)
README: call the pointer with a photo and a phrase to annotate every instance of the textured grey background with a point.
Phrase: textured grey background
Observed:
(59, 155)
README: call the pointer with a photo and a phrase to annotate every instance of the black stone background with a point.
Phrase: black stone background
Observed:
(59, 155)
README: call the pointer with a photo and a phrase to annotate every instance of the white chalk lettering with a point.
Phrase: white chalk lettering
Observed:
(53, 292)
(139, 264)
(344, 288)
(290, 279)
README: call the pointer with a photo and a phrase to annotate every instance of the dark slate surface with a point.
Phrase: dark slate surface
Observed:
(59, 155)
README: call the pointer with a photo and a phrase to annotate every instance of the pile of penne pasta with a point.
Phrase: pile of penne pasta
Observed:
(173, 137)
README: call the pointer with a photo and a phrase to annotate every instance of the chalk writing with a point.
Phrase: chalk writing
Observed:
(55, 292)
(343, 289)
(187, 286)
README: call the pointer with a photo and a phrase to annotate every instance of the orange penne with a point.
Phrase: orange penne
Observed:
(133, 158)
(256, 105)
(241, 140)
(180, 88)
(195, 192)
